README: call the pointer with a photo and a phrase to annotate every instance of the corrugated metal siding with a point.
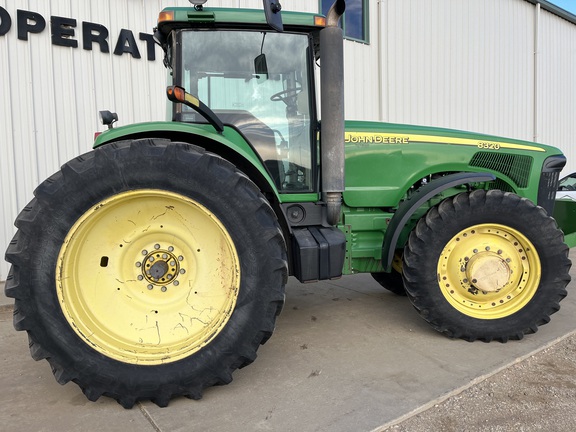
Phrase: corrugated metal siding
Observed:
(557, 85)
(451, 63)
(466, 65)
(361, 73)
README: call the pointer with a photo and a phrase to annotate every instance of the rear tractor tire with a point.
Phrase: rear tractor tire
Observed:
(486, 265)
(147, 270)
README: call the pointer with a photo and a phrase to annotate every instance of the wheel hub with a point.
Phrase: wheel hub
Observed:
(488, 272)
(161, 267)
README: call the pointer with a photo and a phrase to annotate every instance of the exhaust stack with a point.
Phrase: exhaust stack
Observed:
(332, 125)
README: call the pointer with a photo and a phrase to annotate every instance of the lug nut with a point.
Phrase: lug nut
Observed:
(144, 252)
(150, 286)
(176, 283)
(170, 248)
(164, 289)
(156, 246)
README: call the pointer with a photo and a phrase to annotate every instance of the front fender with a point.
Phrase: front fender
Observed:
(230, 140)
(416, 200)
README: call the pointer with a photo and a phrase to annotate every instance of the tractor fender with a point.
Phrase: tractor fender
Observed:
(416, 200)
(230, 144)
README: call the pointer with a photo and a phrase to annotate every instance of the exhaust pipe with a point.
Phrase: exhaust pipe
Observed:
(332, 125)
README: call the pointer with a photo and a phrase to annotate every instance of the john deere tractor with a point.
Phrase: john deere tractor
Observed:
(154, 265)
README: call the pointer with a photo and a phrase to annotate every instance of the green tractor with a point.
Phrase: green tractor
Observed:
(154, 266)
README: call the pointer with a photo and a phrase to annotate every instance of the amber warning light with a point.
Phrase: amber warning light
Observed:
(319, 21)
(166, 16)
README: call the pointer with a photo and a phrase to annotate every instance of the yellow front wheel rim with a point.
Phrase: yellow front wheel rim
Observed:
(148, 277)
(489, 271)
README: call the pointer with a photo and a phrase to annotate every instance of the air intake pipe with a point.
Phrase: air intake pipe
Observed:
(332, 125)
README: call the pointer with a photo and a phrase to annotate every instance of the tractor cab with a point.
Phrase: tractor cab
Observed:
(250, 77)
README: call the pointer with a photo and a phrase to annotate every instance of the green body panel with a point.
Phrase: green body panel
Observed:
(384, 160)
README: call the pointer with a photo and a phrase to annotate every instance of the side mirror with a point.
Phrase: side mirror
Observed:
(261, 67)
(272, 10)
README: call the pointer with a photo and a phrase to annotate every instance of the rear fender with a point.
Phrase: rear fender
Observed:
(230, 145)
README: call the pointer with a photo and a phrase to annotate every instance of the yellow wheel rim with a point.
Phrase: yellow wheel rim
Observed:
(148, 277)
(489, 271)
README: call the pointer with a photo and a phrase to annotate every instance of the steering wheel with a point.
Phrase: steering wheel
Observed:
(285, 94)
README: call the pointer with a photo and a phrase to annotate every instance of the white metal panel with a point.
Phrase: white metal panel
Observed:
(557, 85)
(460, 64)
(361, 73)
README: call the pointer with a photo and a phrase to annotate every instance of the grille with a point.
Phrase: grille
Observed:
(517, 167)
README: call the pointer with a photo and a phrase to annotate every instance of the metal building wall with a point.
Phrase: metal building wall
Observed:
(461, 64)
(556, 85)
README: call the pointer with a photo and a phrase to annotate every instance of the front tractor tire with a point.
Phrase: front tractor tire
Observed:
(486, 265)
(147, 269)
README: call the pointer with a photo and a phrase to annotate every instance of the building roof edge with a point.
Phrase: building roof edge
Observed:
(556, 10)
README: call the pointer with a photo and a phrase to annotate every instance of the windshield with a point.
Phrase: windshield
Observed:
(259, 83)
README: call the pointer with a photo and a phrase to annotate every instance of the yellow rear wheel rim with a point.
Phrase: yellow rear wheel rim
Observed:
(489, 271)
(148, 277)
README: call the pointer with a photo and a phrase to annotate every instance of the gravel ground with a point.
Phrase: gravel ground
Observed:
(537, 394)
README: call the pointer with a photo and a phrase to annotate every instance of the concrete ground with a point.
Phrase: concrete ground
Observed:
(346, 356)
